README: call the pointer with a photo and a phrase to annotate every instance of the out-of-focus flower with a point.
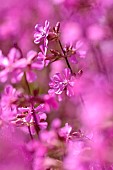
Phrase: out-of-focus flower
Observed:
(50, 102)
(99, 32)
(12, 150)
(47, 136)
(56, 123)
(75, 158)
(63, 82)
(74, 52)
(65, 131)
(30, 63)
(12, 66)
(8, 103)
(71, 32)
(41, 33)
(38, 152)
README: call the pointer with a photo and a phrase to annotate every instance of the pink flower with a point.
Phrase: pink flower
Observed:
(30, 64)
(7, 103)
(78, 52)
(11, 66)
(25, 116)
(65, 131)
(41, 33)
(63, 82)
(14, 65)
(50, 102)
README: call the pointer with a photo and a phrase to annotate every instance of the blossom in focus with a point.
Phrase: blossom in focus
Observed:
(41, 33)
(63, 82)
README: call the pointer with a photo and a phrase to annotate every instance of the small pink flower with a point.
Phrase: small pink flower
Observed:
(11, 66)
(41, 33)
(7, 103)
(63, 82)
(78, 51)
(65, 131)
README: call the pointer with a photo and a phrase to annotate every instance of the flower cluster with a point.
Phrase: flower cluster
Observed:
(24, 107)
(50, 107)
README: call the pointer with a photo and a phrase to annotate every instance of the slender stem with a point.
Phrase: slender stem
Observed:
(35, 120)
(29, 129)
(29, 90)
(67, 62)
(61, 47)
